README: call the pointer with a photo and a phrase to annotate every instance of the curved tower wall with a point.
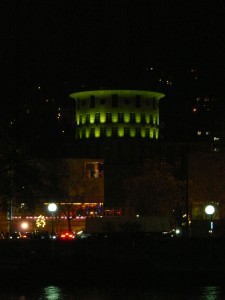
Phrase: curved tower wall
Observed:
(117, 113)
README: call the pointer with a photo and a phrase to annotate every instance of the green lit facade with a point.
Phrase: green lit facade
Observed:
(117, 113)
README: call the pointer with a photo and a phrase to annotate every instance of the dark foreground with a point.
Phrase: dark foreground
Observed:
(114, 261)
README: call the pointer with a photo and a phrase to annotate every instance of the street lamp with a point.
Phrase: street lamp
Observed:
(24, 225)
(209, 210)
(52, 207)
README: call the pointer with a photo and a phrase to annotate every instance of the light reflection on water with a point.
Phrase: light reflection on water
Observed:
(211, 293)
(53, 292)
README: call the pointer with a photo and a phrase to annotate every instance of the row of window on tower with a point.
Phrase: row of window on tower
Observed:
(115, 132)
(115, 102)
(133, 118)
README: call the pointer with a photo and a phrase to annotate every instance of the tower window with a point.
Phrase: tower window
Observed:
(102, 131)
(138, 131)
(87, 118)
(142, 118)
(92, 132)
(108, 117)
(126, 131)
(120, 117)
(151, 119)
(97, 118)
(92, 102)
(132, 117)
(147, 132)
(114, 100)
(115, 131)
(80, 119)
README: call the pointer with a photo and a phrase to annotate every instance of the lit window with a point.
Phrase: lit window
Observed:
(93, 169)
(199, 133)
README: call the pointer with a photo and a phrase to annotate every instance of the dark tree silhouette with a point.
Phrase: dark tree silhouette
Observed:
(153, 190)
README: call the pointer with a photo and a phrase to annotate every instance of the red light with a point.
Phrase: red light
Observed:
(67, 235)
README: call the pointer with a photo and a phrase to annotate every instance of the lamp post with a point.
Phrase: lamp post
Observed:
(52, 207)
(209, 210)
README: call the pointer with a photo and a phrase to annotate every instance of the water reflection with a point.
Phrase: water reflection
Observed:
(54, 292)
(211, 293)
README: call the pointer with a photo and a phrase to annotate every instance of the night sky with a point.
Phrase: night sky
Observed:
(58, 43)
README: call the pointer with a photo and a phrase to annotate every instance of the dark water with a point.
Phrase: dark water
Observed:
(57, 292)
(105, 270)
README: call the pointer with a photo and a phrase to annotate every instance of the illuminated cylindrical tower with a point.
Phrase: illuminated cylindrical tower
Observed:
(117, 113)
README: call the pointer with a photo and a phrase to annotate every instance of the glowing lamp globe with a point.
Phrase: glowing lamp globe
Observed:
(52, 207)
(24, 225)
(210, 209)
